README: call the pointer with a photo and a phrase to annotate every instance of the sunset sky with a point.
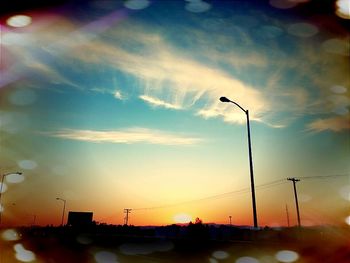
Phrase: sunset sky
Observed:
(115, 104)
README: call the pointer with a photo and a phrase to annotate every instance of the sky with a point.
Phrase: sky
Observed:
(111, 105)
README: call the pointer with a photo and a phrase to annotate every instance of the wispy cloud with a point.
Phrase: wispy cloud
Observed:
(126, 136)
(118, 95)
(335, 124)
(168, 76)
(158, 102)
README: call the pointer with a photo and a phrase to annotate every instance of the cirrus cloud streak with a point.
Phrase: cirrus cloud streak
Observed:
(335, 124)
(125, 136)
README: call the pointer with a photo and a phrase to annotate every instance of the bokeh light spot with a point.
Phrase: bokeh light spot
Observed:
(213, 260)
(136, 4)
(343, 9)
(3, 187)
(19, 21)
(287, 256)
(302, 30)
(220, 254)
(27, 164)
(197, 6)
(23, 97)
(10, 235)
(247, 260)
(338, 89)
(105, 257)
(15, 178)
(23, 254)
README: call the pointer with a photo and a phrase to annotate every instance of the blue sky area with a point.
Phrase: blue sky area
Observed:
(115, 104)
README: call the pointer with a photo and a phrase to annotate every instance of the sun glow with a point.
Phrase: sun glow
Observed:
(182, 218)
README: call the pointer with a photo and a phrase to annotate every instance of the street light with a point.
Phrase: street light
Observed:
(2, 183)
(64, 208)
(255, 219)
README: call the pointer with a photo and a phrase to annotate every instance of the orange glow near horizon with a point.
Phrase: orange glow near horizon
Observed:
(182, 218)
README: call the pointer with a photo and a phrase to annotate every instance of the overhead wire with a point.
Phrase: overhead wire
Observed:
(323, 176)
(217, 196)
(240, 191)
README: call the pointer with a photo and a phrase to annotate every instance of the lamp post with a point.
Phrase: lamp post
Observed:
(64, 208)
(255, 219)
(1, 187)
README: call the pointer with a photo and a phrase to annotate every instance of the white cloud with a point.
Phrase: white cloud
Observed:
(335, 124)
(177, 79)
(127, 136)
(170, 79)
(158, 102)
(118, 95)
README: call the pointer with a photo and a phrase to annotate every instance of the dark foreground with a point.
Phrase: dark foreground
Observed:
(197, 243)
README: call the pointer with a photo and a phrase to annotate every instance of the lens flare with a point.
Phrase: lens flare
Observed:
(10, 235)
(287, 256)
(23, 254)
(19, 21)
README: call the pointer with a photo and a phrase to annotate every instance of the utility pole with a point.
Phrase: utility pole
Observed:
(64, 208)
(230, 220)
(34, 219)
(287, 215)
(294, 180)
(126, 218)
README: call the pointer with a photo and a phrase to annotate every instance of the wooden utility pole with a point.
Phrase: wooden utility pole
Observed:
(126, 218)
(294, 180)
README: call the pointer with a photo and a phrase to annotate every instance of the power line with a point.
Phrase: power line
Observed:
(218, 196)
(323, 176)
(241, 191)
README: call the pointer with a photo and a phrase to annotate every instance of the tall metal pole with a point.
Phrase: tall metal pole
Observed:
(1, 207)
(255, 217)
(1, 187)
(294, 180)
(251, 173)
(230, 220)
(64, 208)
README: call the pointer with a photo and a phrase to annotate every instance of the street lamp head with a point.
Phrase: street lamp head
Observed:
(224, 99)
(17, 173)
